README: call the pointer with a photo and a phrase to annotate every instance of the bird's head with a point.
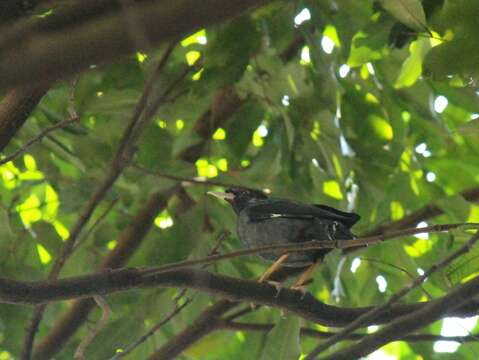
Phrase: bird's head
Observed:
(239, 198)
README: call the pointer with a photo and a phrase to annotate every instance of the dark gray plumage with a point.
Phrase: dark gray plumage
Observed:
(270, 221)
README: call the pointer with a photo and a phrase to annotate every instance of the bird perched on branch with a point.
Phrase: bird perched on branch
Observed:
(266, 221)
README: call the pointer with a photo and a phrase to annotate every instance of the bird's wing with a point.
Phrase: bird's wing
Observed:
(279, 208)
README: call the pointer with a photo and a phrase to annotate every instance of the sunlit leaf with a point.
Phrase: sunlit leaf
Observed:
(412, 67)
(331, 188)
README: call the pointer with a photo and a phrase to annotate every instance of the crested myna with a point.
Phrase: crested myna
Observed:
(268, 221)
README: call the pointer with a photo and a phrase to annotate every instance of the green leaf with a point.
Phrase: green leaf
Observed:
(238, 139)
(409, 12)
(457, 53)
(228, 56)
(411, 69)
(456, 207)
(463, 267)
(282, 342)
(361, 54)
(156, 148)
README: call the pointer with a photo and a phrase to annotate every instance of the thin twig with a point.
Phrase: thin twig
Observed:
(422, 214)
(303, 246)
(411, 276)
(124, 151)
(133, 130)
(105, 314)
(238, 314)
(176, 310)
(239, 326)
(38, 138)
(373, 313)
(187, 180)
(151, 332)
(97, 222)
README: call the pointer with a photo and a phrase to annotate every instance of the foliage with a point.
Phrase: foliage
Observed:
(323, 106)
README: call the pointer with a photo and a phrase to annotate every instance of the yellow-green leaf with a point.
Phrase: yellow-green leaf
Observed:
(411, 68)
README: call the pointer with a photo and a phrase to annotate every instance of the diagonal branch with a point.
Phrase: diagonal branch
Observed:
(422, 214)
(130, 239)
(37, 138)
(15, 108)
(371, 315)
(415, 320)
(240, 326)
(105, 314)
(128, 242)
(123, 153)
(176, 310)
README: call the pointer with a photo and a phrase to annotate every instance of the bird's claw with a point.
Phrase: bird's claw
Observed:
(301, 289)
(277, 286)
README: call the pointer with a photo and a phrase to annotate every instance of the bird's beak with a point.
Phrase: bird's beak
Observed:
(222, 195)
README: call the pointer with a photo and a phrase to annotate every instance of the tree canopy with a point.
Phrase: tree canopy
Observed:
(117, 117)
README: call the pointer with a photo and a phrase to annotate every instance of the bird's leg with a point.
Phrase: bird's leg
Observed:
(273, 268)
(298, 285)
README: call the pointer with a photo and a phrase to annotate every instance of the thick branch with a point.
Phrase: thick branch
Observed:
(370, 316)
(415, 320)
(306, 306)
(15, 108)
(50, 51)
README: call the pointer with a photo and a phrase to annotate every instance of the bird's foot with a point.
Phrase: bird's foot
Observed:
(301, 289)
(277, 285)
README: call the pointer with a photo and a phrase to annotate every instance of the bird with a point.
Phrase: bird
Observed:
(264, 221)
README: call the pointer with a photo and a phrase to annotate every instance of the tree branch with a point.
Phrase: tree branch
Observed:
(151, 331)
(426, 212)
(15, 109)
(52, 49)
(105, 314)
(205, 323)
(240, 326)
(410, 322)
(128, 242)
(124, 151)
(304, 305)
(305, 246)
(189, 181)
(176, 310)
(38, 138)
(371, 315)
